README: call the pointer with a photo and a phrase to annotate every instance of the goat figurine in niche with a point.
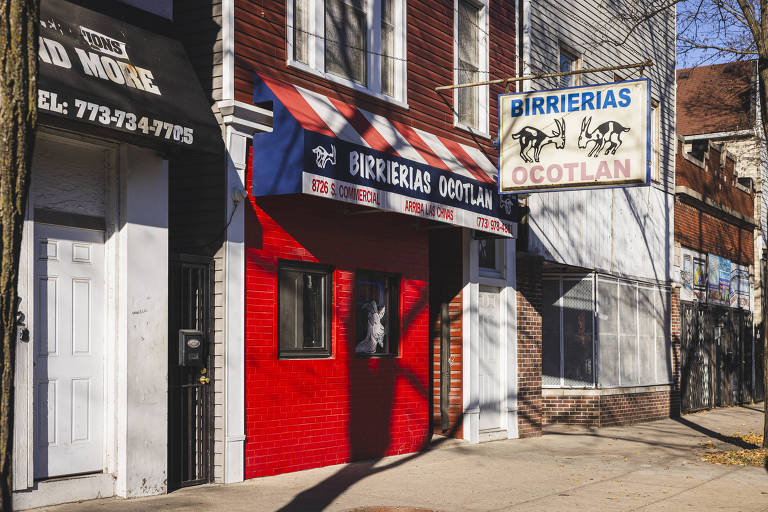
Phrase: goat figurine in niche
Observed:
(533, 138)
(608, 132)
(375, 335)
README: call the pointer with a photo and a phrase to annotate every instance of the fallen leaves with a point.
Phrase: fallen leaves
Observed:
(751, 455)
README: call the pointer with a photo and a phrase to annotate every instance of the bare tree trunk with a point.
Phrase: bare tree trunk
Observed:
(762, 67)
(18, 119)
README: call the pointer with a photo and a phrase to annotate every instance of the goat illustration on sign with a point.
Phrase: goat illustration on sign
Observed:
(323, 156)
(607, 133)
(375, 335)
(533, 138)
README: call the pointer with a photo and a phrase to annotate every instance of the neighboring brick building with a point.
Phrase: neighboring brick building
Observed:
(714, 261)
(720, 103)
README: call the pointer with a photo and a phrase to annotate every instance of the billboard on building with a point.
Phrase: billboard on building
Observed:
(693, 276)
(740, 287)
(579, 137)
(719, 280)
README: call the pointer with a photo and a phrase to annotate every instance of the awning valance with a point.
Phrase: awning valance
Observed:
(328, 148)
(107, 76)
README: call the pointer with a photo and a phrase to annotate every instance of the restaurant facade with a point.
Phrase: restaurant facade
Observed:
(117, 101)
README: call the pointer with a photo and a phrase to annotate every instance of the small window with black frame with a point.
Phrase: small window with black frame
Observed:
(304, 309)
(377, 312)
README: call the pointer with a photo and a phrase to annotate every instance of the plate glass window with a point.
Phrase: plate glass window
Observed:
(304, 316)
(356, 42)
(377, 313)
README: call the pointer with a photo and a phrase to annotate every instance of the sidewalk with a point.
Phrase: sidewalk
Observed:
(652, 466)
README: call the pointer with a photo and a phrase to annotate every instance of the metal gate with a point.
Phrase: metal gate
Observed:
(190, 395)
(716, 356)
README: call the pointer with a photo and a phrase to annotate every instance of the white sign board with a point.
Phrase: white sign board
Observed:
(580, 137)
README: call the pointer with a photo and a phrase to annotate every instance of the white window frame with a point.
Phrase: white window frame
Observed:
(636, 286)
(498, 272)
(655, 141)
(316, 43)
(560, 278)
(483, 129)
(575, 58)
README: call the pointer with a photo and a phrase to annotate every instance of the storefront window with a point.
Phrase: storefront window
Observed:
(304, 310)
(377, 313)
(568, 327)
(629, 336)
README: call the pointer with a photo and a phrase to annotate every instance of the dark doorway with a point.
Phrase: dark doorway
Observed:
(190, 392)
(717, 357)
(445, 313)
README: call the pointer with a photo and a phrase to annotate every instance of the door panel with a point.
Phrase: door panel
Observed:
(490, 371)
(69, 336)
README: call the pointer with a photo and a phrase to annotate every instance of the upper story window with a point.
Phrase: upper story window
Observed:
(471, 62)
(359, 43)
(569, 61)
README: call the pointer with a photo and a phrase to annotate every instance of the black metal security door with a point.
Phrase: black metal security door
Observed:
(716, 357)
(190, 393)
(696, 359)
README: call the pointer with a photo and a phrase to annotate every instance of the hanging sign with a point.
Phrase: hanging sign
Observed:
(579, 137)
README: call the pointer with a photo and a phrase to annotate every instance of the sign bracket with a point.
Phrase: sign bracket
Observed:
(506, 81)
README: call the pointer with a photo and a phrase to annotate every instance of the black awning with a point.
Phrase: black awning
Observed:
(120, 80)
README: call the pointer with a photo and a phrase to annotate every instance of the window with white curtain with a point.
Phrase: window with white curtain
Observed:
(471, 62)
(359, 43)
(613, 335)
(633, 334)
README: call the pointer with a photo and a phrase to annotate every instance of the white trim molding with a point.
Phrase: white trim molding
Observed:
(241, 121)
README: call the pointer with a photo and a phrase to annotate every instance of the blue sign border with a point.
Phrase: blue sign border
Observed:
(563, 189)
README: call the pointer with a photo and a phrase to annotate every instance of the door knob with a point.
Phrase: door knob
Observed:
(204, 379)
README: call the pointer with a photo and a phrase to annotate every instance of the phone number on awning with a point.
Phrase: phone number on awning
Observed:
(107, 116)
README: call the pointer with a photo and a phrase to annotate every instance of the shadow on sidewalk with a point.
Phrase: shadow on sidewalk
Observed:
(324, 493)
(732, 440)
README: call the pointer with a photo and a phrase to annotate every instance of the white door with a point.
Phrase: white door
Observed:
(68, 336)
(490, 371)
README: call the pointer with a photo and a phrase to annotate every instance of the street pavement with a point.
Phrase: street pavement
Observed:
(651, 466)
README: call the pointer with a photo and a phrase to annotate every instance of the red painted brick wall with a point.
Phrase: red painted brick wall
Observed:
(529, 416)
(315, 412)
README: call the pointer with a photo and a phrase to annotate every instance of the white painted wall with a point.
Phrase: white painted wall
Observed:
(471, 340)
(128, 187)
(142, 325)
(620, 231)
(68, 178)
